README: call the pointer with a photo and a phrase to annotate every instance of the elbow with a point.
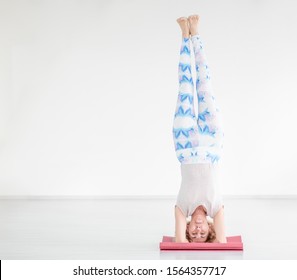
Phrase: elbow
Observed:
(222, 240)
(180, 240)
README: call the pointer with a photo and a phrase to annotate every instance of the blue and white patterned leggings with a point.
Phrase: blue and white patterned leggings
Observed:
(196, 140)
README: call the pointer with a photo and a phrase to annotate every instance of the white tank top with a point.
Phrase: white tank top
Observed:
(199, 186)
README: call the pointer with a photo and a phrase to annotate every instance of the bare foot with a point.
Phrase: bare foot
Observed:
(184, 25)
(193, 24)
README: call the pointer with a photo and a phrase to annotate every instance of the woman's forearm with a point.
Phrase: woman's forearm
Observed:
(219, 225)
(180, 226)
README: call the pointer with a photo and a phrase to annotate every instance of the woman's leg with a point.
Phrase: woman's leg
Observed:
(209, 120)
(185, 130)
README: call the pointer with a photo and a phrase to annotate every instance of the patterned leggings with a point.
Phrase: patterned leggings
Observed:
(196, 140)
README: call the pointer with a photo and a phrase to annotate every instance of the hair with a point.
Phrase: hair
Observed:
(211, 237)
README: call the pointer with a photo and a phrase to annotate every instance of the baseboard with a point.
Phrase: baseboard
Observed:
(139, 197)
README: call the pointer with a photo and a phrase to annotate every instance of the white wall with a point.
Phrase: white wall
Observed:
(88, 92)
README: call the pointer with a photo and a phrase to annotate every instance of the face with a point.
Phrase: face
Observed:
(198, 228)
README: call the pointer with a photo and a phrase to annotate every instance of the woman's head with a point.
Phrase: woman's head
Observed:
(199, 229)
(205, 233)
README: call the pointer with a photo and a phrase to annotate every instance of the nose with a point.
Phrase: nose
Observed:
(198, 228)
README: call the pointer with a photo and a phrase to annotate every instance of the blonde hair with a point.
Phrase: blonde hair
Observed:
(211, 237)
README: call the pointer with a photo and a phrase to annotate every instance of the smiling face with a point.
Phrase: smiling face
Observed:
(198, 228)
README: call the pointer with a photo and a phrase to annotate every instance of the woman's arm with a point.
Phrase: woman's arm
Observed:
(180, 226)
(219, 226)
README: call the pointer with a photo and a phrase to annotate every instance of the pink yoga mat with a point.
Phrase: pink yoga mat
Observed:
(233, 243)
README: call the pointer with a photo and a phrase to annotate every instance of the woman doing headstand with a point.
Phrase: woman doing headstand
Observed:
(198, 145)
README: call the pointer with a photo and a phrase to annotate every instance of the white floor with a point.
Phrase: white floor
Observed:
(132, 229)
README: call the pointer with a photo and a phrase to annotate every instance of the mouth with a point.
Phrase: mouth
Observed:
(199, 221)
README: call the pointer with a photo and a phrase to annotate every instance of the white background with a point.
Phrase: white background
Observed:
(64, 269)
(88, 92)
